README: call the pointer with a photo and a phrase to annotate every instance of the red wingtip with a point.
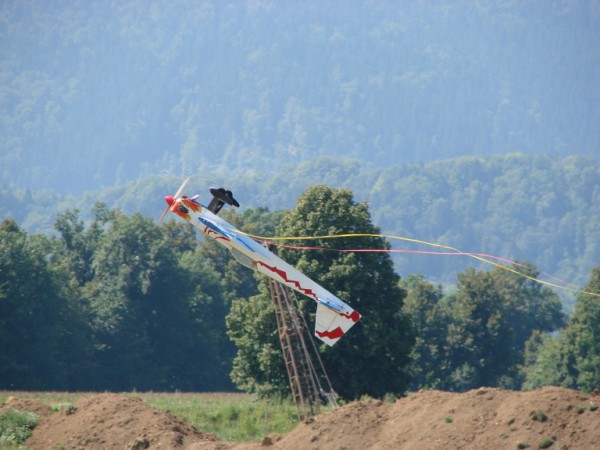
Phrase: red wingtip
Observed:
(170, 200)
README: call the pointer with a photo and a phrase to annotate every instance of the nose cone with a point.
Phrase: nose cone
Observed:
(170, 200)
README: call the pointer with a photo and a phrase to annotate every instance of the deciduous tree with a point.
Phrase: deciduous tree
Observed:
(571, 359)
(372, 357)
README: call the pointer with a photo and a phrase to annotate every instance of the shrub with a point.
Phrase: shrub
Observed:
(539, 415)
(390, 398)
(16, 426)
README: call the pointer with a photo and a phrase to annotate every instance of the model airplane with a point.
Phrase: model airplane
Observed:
(334, 317)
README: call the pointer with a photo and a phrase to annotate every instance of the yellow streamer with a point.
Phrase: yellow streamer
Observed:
(415, 241)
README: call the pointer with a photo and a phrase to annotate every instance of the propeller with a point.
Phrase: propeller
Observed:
(171, 199)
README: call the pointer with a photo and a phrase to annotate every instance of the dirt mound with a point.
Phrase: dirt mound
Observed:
(483, 418)
(111, 421)
(27, 404)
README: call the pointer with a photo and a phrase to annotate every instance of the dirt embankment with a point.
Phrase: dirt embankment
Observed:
(480, 419)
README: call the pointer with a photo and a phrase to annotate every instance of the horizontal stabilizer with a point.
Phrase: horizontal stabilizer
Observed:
(331, 325)
(221, 197)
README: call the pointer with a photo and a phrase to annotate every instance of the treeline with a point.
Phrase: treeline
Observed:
(535, 208)
(101, 92)
(121, 303)
(502, 329)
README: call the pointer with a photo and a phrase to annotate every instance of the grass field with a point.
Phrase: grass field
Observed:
(230, 416)
(238, 417)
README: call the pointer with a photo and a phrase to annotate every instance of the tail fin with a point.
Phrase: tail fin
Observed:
(330, 325)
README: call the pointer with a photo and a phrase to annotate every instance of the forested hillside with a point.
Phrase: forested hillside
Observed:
(97, 93)
(537, 209)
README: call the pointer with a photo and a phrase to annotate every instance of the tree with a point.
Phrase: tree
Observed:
(258, 365)
(430, 321)
(494, 313)
(543, 362)
(477, 336)
(158, 316)
(573, 358)
(117, 305)
(383, 338)
(43, 337)
(583, 335)
(79, 243)
(529, 306)
(207, 351)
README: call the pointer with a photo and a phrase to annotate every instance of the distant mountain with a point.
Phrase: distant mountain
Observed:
(97, 93)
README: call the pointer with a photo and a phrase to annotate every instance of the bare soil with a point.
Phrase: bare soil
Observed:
(480, 419)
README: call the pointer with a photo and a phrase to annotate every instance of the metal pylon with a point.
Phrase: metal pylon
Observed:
(296, 344)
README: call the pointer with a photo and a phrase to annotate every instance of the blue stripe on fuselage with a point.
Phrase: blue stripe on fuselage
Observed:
(213, 226)
(228, 233)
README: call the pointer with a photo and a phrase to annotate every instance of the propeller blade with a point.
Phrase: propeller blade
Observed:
(164, 214)
(180, 190)
(177, 194)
